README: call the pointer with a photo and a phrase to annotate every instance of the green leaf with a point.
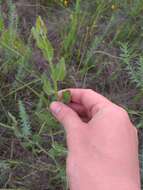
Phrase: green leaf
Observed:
(25, 123)
(39, 33)
(45, 116)
(66, 97)
(57, 150)
(1, 24)
(41, 27)
(47, 87)
(48, 50)
(59, 71)
(62, 69)
(36, 139)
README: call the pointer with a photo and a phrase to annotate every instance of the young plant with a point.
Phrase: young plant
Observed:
(134, 67)
(57, 71)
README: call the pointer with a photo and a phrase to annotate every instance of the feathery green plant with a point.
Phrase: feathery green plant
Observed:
(133, 66)
(24, 120)
(137, 73)
(126, 53)
(13, 21)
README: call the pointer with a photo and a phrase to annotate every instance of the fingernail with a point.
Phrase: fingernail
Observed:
(55, 107)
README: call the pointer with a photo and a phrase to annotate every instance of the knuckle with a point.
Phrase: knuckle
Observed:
(122, 116)
(119, 112)
(90, 91)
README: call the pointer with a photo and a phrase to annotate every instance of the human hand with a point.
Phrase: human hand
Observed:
(102, 143)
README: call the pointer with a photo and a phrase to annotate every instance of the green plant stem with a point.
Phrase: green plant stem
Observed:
(6, 126)
(20, 88)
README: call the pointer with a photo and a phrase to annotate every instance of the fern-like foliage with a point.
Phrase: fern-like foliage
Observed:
(137, 76)
(25, 123)
(133, 66)
(126, 53)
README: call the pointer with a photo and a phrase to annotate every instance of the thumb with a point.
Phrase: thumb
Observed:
(66, 116)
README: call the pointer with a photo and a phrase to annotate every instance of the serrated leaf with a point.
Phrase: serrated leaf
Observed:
(25, 123)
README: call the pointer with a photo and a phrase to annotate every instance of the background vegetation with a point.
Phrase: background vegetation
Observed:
(74, 43)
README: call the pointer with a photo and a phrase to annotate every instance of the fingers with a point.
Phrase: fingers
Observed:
(81, 111)
(78, 108)
(91, 100)
(66, 116)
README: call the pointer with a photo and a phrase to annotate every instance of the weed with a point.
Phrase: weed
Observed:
(134, 65)
(58, 71)
(25, 123)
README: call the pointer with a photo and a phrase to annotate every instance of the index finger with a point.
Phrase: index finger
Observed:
(91, 100)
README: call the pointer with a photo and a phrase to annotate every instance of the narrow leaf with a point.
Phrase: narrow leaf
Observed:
(47, 87)
(59, 71)
(39, 33)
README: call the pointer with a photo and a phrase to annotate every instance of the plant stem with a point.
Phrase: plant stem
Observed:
(6, 126)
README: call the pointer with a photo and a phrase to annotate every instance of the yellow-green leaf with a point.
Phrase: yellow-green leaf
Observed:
(39, 33)
(47, 87)
(59, 71)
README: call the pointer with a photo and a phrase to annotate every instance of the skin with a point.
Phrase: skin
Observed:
(102, 143)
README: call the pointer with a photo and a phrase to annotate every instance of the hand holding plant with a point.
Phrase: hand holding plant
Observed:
(102, 143)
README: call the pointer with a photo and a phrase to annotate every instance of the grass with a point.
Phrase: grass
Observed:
(46, 46)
